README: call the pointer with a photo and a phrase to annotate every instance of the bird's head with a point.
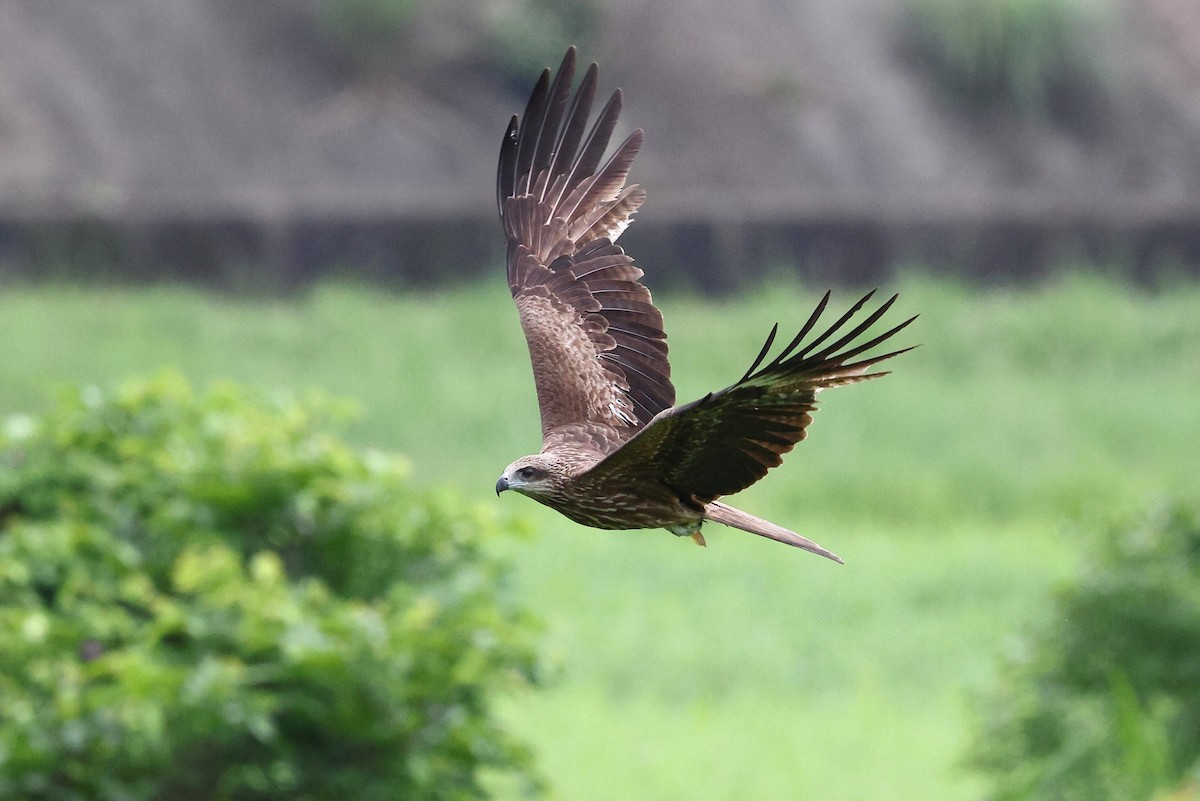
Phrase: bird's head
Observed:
(537, 476)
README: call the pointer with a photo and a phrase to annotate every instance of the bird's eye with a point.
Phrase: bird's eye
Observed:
(526, 473)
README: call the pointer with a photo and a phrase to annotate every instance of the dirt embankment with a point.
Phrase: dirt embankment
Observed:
(794, 131)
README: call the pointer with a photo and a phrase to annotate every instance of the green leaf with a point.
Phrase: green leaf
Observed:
(209, 595)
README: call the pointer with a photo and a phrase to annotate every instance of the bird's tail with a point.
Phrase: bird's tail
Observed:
(736, 518)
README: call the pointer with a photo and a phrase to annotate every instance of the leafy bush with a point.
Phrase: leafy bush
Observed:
(1104, 703)
(1043, 58)
(212, 597)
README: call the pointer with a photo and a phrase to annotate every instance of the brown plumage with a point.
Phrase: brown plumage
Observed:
(616, 452)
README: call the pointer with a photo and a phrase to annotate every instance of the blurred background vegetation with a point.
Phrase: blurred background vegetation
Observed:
(1101, 702)
(517, 37)
(216, 582)
(211, 597)
(1054, 60)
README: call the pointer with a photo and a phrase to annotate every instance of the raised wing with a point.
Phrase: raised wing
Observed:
(595, 338)
(728, 440)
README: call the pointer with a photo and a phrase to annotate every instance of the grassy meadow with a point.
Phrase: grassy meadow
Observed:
(960, 491)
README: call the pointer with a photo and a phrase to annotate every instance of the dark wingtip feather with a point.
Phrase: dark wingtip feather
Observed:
(547, 134)
(573, 130)
(597, 140)
(861, 327)
(828, 362)
(762, 354)
(506, 178)
(857, 349)
(880, 358)
(836, 325)
(531, 119)
(803, 332)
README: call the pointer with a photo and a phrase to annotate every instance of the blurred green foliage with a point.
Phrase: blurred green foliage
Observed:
(212, 597)
(1045, 58)
(955, 488)
(518, 37)
(1104, 702)
(530, 35)
(366, 30)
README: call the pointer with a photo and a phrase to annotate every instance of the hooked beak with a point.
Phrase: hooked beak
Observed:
(501, 484)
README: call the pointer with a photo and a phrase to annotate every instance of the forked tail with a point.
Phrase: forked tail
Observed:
(736, 518)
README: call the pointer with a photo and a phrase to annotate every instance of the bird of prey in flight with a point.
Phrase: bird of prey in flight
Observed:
(617, 453)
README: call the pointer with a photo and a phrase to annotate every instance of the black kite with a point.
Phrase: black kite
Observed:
(616, 452)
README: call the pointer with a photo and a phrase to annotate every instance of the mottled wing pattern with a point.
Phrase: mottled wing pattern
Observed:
(595, 338)
(729, 439)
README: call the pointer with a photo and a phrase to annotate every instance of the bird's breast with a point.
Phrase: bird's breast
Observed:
(623, 508)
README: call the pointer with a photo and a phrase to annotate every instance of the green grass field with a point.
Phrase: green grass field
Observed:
(959, 490)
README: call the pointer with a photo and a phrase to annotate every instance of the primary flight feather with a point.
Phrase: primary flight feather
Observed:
(617, 453)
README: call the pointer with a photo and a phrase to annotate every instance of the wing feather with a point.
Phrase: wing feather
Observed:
(572, 134)
(593, 148)
(527, 136)
(605, 185)
(506, 171)
(727, 440)
(630, 324)
(548, 129)
(595, 338)
(610, 220)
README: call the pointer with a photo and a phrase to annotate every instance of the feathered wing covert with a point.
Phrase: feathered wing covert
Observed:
(616, 452)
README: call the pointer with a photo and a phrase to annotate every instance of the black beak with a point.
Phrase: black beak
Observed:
(501, 484)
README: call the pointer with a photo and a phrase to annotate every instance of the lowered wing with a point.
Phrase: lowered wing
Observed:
(729, 439)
